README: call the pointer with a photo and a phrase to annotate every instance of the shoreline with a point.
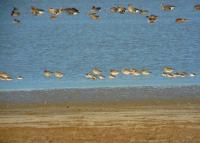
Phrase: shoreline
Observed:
(100, 94)
(102, 87)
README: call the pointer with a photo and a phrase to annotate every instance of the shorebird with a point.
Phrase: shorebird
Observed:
(197, 7)
(15, 12)
(181, 20)
(55, 11)
(95, 10)
(19, 78)
(145, 72)
(47, 73)
(114, 9)
(58, 74)
(168, 69)
(169, 75)
(6, 79)
(184, 74)
(167, 7)
(134, 72)
(126, 71)
(181, 74)
(114, 72)
(192, 74)
(71, 11)
(152, 18)
(90, 75)
(36, 11)
(121, 9)
(5, 76)
(132, 9)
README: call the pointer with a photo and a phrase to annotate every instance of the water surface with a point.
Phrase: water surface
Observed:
(76, 44)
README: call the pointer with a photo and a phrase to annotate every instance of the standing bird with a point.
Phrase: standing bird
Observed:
(54, 11)
(197, 7)
(114, 9)
(132, 9)
(167, 7)
(91, 76)
(192, 74)
(47, 73)
(58, 74)
(19, 78)
(114, 72)
(152, 18)
(95, 10)
(15, 12)
(145, 72)
(5, 76)
(71, 11)
(126, 71)
(93, 13)
(121, 9)
(36, 11)
(135, 72)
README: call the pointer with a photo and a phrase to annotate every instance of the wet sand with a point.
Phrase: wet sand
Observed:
(158, 120)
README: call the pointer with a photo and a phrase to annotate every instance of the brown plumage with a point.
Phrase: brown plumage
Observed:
(121, 9)
(197, 7)
(167, 7)
(152, 18)
(5, 76)
(114, 9)
(181, 20)
(54, 11)
(36, 11)
(71, 11)
(132, 9)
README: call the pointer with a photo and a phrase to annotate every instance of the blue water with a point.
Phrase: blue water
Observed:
(76, 44)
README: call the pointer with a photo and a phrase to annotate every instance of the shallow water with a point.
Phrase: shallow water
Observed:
(76, 44)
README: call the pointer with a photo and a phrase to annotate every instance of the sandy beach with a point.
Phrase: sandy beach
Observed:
(158, 120)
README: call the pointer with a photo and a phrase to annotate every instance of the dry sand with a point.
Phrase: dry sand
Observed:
(156, 121)
(121, 115)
